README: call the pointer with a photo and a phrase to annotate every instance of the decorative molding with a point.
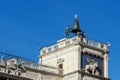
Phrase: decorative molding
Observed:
(5, 75)
(94, 48)
(94, 76)
(60, 60)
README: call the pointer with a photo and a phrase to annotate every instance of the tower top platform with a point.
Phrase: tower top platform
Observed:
(77, 40)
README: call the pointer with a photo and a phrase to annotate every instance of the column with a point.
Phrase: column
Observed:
(105, 65)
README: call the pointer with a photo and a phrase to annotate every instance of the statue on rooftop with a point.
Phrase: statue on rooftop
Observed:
(20, 68)
(13, 64)
(105, 46)
(10, 65)
(67, 31)
(3, 61)
(83, 34)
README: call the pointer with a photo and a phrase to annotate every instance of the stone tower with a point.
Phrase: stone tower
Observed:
(78, 58)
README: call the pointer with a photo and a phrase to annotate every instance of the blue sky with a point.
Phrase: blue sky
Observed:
(26, 25)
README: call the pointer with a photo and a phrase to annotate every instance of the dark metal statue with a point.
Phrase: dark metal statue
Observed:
(67, 31)
(83, 34)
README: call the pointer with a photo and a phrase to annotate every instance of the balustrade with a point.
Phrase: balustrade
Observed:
(71, 41)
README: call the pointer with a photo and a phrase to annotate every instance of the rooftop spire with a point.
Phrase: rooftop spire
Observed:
(76, 29)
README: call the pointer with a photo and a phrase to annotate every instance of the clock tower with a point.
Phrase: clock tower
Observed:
(78, 58)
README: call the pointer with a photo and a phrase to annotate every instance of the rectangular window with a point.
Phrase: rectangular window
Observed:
(60, 68)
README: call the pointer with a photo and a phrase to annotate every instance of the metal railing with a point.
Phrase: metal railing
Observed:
(4, 57)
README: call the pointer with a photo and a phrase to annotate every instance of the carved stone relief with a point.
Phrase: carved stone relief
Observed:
(92, 64)
(13, 67)
(91, 67)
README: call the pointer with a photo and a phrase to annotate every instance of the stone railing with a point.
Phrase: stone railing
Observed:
(41, 67)
(66, 42)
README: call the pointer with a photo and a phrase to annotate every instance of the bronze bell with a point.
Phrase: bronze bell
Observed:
(76, 28)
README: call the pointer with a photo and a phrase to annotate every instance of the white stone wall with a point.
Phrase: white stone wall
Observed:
(68, 54)
(106, 65)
